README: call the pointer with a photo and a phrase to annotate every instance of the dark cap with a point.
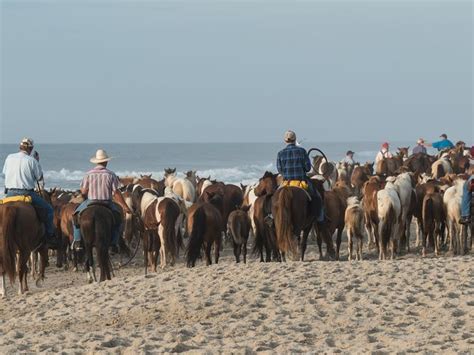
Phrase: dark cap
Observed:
(350, 152)
(444, 136)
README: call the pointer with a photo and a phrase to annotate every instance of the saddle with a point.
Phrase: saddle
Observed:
(297, 183)
(26, 199)
(40, 213)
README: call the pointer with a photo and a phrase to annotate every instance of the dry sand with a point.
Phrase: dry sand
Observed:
(410, 304)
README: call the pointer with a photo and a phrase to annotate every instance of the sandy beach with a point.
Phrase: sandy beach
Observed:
(407, 305)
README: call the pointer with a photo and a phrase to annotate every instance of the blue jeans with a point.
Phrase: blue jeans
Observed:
(38, 201)
(466, 199)
(115, 228)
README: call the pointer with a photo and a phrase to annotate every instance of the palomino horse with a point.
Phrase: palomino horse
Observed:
(22, 234)
(204, 227)
(180, 186)
(96, 223)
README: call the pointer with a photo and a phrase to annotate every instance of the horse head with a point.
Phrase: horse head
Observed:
(169, 171)
(267, 184)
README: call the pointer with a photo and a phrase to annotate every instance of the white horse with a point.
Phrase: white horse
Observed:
(181, 186)
(457, 233)
(403, 185)
(389, 211)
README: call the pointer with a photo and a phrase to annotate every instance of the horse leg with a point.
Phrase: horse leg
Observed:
(349, 243)
(360, 242)
(338, 241)
(162, 246)
(304, 242)
(244, 247)
(408, 233)
(208, 254)
(236, 251)
(22, 272)
(319, 241)
(145, 251)
(418, 234)
(217, 249)
(3, 291)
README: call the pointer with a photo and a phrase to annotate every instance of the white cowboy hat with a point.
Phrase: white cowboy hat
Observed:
(420, 141)
(100, 157)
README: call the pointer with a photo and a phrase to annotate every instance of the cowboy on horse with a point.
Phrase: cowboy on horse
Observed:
(293, 164)
(100, 185)
(22, 172)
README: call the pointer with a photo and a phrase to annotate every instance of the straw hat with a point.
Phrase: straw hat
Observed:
(100, 157)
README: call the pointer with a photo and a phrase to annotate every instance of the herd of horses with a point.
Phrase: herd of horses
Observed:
(198, 214)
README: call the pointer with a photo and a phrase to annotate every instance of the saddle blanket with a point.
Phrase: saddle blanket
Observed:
(297, 183)
(26, 199)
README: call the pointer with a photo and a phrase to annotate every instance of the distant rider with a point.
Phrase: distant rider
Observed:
(349, 159)
(384, 153)
(293, 163)
(441, 145)
(22, 173)
(467, 191)
(420, 148)
(100, 184)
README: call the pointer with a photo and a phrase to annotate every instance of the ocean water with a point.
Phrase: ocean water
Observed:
(65, 164)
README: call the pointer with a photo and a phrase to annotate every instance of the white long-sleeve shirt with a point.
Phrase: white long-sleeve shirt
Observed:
(384, 153)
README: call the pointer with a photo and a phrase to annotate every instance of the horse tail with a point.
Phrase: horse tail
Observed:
(102, 230)
(386, 226)
(7, 241)
(169, 229)
(284, 222)
(427, 213)
(196, 239)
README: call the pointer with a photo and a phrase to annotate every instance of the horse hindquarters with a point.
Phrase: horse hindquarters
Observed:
(196, 238)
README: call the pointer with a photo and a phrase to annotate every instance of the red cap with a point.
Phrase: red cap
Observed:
(385, 145)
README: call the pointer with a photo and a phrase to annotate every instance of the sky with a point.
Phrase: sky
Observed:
(235, 71)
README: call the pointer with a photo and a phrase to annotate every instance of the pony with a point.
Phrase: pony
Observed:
(238, 228)
(147, 182)
(389, 214)
(204, 226)
(66, 222)
(404, 185)
(96, 223)
(354, 221)
(180, 186)
(202, 183)
(21, 234)
(265, 237)
(419, 163)
(389, 166)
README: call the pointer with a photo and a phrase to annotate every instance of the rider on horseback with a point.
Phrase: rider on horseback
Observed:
(293, 164)
(100, 185)
(22, 172)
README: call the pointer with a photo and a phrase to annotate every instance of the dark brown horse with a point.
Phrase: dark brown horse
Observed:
(360, 175)
(389, 166)
(419, 163)
(96, 223)
(292, 217)
(238, 228)
(204, 227)
(264, 230)
(21, 234)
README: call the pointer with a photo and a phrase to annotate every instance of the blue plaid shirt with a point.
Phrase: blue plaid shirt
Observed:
(293, 163)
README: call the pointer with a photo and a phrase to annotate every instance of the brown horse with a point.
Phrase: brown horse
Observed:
(292, 216)
(389, 166)
(96, 223)
(204, 227)
(238, 228)
(360, 175)
(21, 234)
(65, 231)
(147, 182)
(264, 230)
(419, 163)
(369, 204)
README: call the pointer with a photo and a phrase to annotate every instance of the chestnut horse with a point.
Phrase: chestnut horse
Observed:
(292, 216)
(96, 223)
(204, 227)
(21, 234)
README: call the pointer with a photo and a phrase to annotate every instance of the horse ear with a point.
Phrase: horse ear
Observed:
(245, 208)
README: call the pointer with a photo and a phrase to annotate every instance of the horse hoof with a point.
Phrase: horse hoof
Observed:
(39, 283)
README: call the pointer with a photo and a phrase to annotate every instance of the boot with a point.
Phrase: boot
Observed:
(465, 220)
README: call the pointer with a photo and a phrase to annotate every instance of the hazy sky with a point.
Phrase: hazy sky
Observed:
(199, 71)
